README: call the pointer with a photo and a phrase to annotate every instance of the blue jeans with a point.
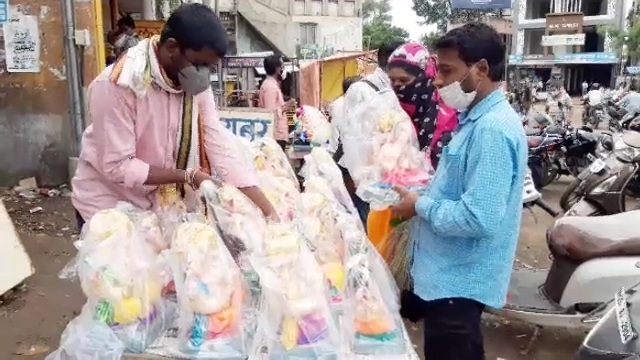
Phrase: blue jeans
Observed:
(362, 207)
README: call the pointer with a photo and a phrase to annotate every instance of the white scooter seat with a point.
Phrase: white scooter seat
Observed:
(581, 238)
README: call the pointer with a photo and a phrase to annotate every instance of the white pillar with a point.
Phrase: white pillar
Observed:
(148, 10)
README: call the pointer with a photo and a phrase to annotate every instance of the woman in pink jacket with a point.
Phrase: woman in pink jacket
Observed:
(412, 69)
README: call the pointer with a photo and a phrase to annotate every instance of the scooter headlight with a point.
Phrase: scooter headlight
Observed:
(603, 186)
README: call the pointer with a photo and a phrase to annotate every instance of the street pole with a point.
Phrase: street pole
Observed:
(216, 7)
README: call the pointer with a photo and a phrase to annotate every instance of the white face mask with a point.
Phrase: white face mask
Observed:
(455, 98)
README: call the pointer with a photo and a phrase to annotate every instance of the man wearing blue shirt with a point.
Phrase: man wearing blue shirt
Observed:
(469, 218)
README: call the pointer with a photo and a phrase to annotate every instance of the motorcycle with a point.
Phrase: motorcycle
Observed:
(615, 336)
(543, 145)
(614, 114)
(593, 257)
(602, 187)
(595, 116)
(561, 151)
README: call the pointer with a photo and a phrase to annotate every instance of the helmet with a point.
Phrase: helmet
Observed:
(595, 86)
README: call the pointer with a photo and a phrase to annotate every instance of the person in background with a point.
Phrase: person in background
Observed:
(469, 220)
(271, 98)
(631, 101)
(411, 70)
(145, 110)
(592, 99)
(585, 87)
(123, 36)
(559, 103)
(336, 110)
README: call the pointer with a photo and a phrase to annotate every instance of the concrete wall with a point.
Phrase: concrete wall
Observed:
(339, 33)
(35, 127)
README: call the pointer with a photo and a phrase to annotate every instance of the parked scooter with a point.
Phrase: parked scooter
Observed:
(593, 257)
(615, 336)
(601, 188)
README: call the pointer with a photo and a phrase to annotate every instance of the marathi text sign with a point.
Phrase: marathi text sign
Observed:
(481, 4)
(563, 40)
(249, 123)
(568, 23)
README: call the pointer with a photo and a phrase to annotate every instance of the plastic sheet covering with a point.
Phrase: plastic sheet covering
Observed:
(119, 274)
(319, 227)
(85, 339)
(295, 319)
(372, 317)
(312, 126)
(268, 157)
(320, 163)
(215, 315)
(381, 150)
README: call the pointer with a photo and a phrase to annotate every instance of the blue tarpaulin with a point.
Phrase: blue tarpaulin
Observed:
(481, 4)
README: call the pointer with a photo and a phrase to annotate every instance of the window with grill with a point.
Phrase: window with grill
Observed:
(308, 33)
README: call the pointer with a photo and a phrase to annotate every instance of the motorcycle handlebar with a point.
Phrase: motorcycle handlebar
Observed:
(546, 207)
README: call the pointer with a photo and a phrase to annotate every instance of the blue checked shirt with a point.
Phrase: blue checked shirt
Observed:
(468, 221)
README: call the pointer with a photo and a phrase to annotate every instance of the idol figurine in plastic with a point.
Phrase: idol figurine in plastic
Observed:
(296, 316)
(210, 294)
(119, 275)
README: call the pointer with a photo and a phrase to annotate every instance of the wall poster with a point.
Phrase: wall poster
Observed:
(22, 44)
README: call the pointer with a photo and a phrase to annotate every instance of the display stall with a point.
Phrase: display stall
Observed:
(224, 282)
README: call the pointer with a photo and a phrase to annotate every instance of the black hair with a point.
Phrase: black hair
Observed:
(272, 63)
(195, 26)
(127, 21)
(346, 83)
(476, 41)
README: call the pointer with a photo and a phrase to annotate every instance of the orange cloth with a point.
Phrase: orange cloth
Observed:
(379, 227)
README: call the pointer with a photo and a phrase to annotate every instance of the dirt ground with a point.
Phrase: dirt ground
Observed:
(33, 317)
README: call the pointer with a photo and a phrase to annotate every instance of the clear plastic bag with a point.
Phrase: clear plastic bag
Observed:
(212, 295)
(269, 158)
(372, 318)
(241, 224)
(119, 274)
(312, 126)
(318, 224)
(86, 339)
(381, 151)
(282, 193)
(320, 163)
(295, 319)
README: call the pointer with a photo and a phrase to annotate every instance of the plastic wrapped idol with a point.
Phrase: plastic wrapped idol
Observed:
(241, 225)
(268, 157)
(320, 163)
(372, 315)
(295, 320)
(212, 295)
(312, 128)
(381, 151)
(119, 275)
(319, 228)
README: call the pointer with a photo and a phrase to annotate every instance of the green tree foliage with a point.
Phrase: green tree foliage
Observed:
(621, 38)
(439, 12)
(378, 33)
(429, 39)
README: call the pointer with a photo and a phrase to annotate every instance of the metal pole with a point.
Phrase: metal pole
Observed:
(216, 7)
(73, 74)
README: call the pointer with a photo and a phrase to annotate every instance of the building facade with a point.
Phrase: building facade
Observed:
(562, 37)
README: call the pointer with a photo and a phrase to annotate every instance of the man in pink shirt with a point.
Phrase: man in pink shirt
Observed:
(155, 129)
(271, 97)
